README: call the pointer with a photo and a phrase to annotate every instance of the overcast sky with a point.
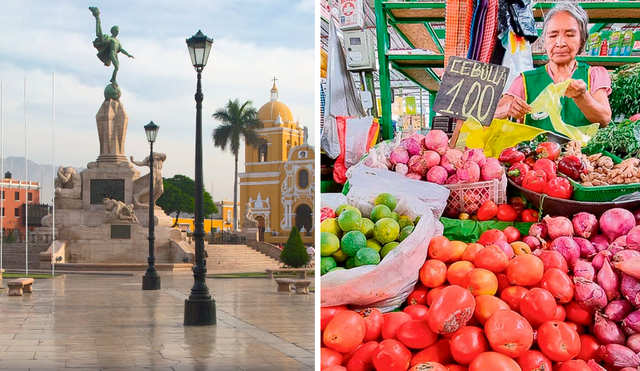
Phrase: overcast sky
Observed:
(254, 40)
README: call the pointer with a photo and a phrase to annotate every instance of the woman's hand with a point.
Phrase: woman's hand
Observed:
(518, 108)
(576, 89)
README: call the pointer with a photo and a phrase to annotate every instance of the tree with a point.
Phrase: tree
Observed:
(294, 253)
(179, 197)
(238, 122)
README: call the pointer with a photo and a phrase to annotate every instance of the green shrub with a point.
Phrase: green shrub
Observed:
(294, 254)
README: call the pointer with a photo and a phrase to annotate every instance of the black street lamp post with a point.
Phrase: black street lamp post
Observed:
(199, 308)
(151, 279)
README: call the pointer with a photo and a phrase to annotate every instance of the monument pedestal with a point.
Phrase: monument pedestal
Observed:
(107, 180)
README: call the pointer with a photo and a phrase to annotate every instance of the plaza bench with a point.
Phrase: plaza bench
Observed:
(20, 285)
(303, 271)
(284, 285)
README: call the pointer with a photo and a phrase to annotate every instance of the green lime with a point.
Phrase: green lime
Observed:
(367, 256)
(340, 257)
(395, 216)
(353, 241)
(350, 263)
(329, 243)
(403, 221)
(336, 269)
(379, 212)
(388, 247)
(405, 232)
(366, 227)
(374, 244)
(341, 208)
(331, 225)
(349, 220)
(386, 199)
(415, 222)
(326, 264)
(386, 230)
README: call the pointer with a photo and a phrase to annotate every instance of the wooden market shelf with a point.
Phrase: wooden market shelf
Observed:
(601, 12)
(607, 62)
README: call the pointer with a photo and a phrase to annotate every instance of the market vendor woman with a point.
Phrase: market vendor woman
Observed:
(586, 99)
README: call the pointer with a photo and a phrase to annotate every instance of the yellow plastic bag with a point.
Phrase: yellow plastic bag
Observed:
(499, 135)
(549, 102)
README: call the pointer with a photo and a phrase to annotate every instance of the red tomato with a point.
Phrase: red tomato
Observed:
(433, 273)
(467, 343)
(345, 332)
(329, 357)
(506, 248)
(509, 333)
(538, 306)
(391, 322)
(492, 258)
(513, 296)
(491, 236)
(577, 314)
(558, 341)
(327, 314)
(471, 251)
(493, 361)
(559, 284)
(457, 272)
(480, 281)
(373, 323)
(534, 360)
(417, 311)
(440, 248)
(456, 368)
(428, 366)
(418, 295)
(574, 365)
(588, 347)
(529, 216)
(439, 352)
(503, 283)
(486, 305)
(451, 309)
(416, 334)
(432, 294)
(507, 213)
(525, 270)
(553, 259)
(512, 233)
(391, 355)
(561, 314)
(335, 368)
(362, 358)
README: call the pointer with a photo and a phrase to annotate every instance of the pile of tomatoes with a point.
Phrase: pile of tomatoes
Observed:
(515, 210)
(490, 305)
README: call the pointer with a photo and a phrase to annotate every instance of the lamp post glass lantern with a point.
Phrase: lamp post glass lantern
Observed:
(151, 278)
(199, 308)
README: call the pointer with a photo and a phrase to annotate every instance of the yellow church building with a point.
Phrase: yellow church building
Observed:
(278, 182)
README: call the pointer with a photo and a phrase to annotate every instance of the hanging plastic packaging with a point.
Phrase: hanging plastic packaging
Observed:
(522, 20)
(517, 56)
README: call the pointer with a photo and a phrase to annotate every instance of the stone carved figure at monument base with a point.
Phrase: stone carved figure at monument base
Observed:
(141, 185)
(249, 221)
(68, 184)
(118, 211)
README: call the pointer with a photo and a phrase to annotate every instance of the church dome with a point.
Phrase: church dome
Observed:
(275, 112)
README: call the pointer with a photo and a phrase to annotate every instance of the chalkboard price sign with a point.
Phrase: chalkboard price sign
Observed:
(470, 89)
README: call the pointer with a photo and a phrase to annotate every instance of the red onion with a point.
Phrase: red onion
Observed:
(620, 241)
(432, 158)
(630, 288)
(451, 159)
(608, 280)
(607, 332)
(632, 321)
(595, 366)
(418, 164)
(589, 294)
(437, 140)
(491, 170)
(633, 342)
(614, 249)
(616, 222)
(628, 331)
(414, 176)
(437, 174)
(584, 269)
(468, 172)
(618, 355)
(586, 248)
(585, 224)
(630, 267)
(476, 155)
(599, 259)
(553, 259)
(636, 214)
(399, 155)
(633, 238)
(567, 247)
(617, 310)
(411, 145)
(558, 226)
(600, 242)
(626, 255)
(533, 242)
(418, 137)
(539, 230)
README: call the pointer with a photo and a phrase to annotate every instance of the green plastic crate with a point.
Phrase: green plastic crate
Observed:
(603, 193)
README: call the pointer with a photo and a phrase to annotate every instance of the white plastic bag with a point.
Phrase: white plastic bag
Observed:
(517, 56)
(366, 183)
(332, 200)
(356, 135)
(387, 285)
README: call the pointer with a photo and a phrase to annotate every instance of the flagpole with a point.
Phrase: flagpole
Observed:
(26, 188)
(1, 171)
(53, 172)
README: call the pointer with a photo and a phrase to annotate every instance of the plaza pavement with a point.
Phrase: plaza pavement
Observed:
(106, 321)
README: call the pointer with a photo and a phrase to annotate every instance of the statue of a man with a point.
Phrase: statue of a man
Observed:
(68, 184)
(141, 185)
(108, 46)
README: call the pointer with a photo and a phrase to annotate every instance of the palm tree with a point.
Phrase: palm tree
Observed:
(238, 122)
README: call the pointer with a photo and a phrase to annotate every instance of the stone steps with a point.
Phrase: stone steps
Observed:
(238, 258)
(13, 255)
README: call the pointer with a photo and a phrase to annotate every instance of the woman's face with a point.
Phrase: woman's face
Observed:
(562, 38)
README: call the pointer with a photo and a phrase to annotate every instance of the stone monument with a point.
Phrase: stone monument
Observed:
(99, 215)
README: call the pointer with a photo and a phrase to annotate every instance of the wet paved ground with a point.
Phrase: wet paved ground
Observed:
(92, 322)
